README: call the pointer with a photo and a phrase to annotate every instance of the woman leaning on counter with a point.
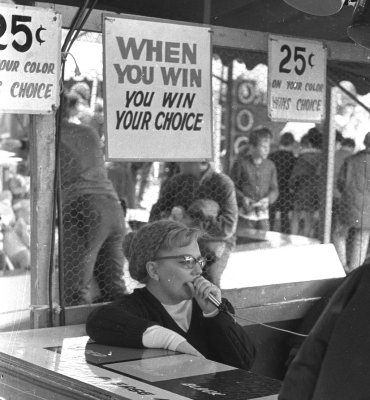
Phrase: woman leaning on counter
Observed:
(172, 311)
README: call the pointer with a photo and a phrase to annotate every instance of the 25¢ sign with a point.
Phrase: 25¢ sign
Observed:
(297, 79)
(29, 59)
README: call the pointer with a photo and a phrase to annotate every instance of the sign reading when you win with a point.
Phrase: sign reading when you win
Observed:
(157, 90)
(297, 79)
(29, 59)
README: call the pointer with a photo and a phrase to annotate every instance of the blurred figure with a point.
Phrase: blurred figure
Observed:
(338, 139)
(84, 113)
(333, 361)
(346, 149)
(168, 170)
(123, 179)
(255, 181)
(17, 236)
(93, 221)
(140, 175)
(7, 215)
(126, 176)
(97, 121)
(354, 208)
(200, 196)
(305, 182)
(284, 161)
(143, 178)
(19, 186)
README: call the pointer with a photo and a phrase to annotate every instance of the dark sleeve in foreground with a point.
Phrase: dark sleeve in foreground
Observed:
(121, 323)
(229, 343)
(323, 362)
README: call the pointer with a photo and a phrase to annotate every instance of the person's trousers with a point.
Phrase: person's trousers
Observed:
(93, 232)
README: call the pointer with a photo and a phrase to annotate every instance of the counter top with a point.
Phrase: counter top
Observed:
(64, 362)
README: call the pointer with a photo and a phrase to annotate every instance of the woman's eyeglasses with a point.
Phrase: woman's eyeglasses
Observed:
(187, 260)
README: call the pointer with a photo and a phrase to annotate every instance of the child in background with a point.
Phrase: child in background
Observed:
(255, 179)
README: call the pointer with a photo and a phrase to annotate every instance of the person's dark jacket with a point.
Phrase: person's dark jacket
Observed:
(306, 182)
(284, 161)
(334, 360)
(123, 323)
(255, 181)
(353, 184)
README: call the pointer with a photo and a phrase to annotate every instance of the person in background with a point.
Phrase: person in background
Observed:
(17, 236)
(284, 161)
(255, 179)
(93, 221)
(124, 181)
(346, 149)
(19, 186)
(97, 120)
(84, 114)
(14, 231)
(172, 311)
(305, 183)
(144, 179)
(354, 208)
(200, 196)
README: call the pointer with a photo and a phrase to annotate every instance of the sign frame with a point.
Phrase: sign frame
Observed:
(30, 65)
(162, 156)
(295, 83)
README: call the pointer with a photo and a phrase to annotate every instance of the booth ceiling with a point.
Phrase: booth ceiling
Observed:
(273, 16)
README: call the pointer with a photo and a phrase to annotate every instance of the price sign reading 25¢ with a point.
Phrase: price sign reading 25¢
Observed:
(296, 79)
(29, 59)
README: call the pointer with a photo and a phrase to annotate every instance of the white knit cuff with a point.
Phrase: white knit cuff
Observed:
(161, 338)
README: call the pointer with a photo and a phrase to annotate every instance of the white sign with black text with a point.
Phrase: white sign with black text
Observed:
(296, 79)
(157, 77)
(29, 59)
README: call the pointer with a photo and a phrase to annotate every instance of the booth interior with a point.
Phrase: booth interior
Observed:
(278, 280)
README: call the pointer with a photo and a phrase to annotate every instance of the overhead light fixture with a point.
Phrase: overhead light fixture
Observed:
(359, 30)
(317, 7)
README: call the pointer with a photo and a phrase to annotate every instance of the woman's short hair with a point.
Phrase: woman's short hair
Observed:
(144, 245)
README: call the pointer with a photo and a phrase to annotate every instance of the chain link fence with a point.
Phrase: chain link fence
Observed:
(297, 153)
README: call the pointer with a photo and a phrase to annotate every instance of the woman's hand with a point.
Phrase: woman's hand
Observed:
(201, 288)
(187, 348)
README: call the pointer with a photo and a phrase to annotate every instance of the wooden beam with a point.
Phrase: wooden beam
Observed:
(222, 8)
(227, 37)
(42, 143)
(258, 41)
